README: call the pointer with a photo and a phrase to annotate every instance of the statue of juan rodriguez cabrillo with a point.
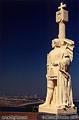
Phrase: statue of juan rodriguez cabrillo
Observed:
(59, 90)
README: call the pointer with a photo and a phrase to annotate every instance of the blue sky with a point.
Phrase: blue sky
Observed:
(27, 29)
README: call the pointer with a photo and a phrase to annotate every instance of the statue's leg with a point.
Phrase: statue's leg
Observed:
(49, 95)
(50, 90)
(53, 102)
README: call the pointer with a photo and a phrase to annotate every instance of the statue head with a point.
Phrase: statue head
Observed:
(56, 43)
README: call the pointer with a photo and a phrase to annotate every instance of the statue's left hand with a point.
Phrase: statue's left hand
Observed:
(55, 63)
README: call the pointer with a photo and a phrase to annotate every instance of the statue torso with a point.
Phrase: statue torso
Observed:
(56, 54)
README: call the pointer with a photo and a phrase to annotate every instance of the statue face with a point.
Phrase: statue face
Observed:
(56, 43)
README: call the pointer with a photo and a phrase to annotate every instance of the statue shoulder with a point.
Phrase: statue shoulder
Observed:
(51, 52)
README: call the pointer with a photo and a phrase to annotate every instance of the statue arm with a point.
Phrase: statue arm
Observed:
(64, 64)
(55, 63)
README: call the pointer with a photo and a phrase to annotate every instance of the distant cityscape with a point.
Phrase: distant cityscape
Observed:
(22, 100)
(35, 96)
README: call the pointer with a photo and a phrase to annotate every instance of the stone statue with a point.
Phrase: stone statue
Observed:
(59, 90)
(58, 76)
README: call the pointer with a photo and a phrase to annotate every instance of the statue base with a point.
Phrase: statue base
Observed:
(48, 116)
(58, 110)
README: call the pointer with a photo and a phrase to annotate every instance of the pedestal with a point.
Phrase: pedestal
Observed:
(57, 113)
(58, 110)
